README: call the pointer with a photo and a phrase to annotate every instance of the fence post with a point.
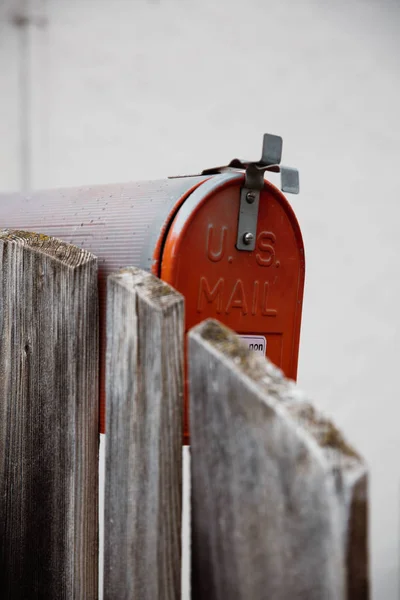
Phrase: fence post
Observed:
(278, 497)
(142, 525)
(48, 419)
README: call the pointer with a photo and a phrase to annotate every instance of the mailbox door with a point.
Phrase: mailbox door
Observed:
(258, 294)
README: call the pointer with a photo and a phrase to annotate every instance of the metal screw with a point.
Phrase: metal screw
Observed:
(248, 238)
(250, 197)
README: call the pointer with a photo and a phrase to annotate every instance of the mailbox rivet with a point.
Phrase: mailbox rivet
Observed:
(248, 238)
(250, 197)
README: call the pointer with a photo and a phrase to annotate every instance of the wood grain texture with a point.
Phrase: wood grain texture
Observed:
(275, 487)
(48, 420)
(357, 541)
(144, 379)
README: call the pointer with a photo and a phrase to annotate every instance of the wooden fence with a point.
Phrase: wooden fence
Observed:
(278, 498)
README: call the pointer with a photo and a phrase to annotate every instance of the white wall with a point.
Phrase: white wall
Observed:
(101, 91)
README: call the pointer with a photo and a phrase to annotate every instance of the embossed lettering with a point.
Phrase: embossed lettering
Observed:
(265, 311)
(237, 299)
(254, 305)
(218, 255)
(210, 295)
(264, 245)
(239, 296)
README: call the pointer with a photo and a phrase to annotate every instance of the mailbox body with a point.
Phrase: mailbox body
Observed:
(184, 230)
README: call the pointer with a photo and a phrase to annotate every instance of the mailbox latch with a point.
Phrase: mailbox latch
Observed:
(253, 184)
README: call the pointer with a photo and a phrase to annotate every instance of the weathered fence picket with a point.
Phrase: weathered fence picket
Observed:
(278, 498)
(49, 419)
(144, 379)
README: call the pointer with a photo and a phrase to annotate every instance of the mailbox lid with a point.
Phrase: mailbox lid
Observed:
(257, 293)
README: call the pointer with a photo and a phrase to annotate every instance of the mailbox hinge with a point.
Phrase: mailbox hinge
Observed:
(254, 183)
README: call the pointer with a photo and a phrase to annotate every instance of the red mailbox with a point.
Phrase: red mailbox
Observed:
(226, 239)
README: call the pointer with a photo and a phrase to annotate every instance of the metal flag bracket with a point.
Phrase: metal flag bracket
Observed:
(253, 184)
